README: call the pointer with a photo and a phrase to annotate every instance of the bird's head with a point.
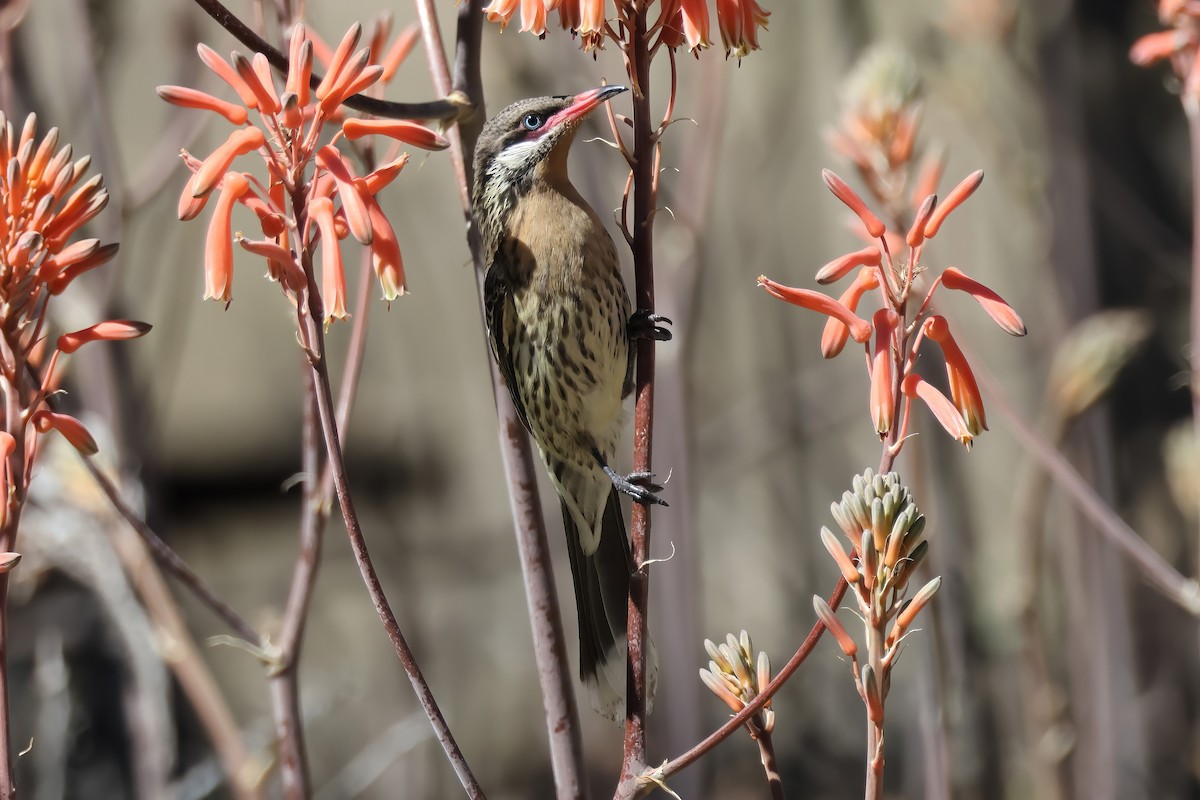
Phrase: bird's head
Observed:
(528, 139)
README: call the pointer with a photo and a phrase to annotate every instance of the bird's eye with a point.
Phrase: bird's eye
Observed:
(531, 122)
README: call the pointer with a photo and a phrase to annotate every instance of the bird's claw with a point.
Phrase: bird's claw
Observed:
(638, 486)
(644, 324)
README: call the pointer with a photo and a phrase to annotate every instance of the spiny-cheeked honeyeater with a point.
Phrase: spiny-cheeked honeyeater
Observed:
(560, 325)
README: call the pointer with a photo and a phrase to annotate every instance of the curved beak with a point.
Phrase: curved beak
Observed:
(583, 104)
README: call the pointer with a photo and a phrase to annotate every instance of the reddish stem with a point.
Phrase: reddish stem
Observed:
(640, 785)
(644, 201)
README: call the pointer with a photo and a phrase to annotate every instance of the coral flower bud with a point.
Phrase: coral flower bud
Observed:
(693, 18)
(916, 234)
(227, 73)
(398, 129)
(240, 142)
(849, 571)
(381, 177)
(300, 59)
(218, 244)
(838, 268)
(333, 274)
(102, 255)
(843, 192)
(834, 337)
(993, 304)
(110, 331)
(352, 201)
(945, 412)
(337, 61)
(834, 626)
(722, 690)
(365, 79)
(70, 428)
(264, 94)
(883, 405)
(964, 391)
(956, 198)
(860, 329)
(194, 98)
(385, 250)
(913, 607)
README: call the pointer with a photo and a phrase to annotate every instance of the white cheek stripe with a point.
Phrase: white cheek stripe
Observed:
(512, 157)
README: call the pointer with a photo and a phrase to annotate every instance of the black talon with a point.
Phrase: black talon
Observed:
(643, 324)
(634, 486)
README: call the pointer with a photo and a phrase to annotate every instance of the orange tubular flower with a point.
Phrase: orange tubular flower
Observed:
(398, 129)
(218, 245)
(945, 412)
(956, 198)
(964, 391)
(70, 428)
(352, 202)
(860, 329)
(333, 274)
(843, 192)
(838, 268)
(739, 21)
(194, 98)
(385, 251)
(288, 140)
(111, 331)
(693, 22)
(883, 403)
(993, 304)
(834, 337)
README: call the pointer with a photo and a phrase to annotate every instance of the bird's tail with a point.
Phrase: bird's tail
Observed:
(601, 599)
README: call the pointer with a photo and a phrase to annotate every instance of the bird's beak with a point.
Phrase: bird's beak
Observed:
(582, 104)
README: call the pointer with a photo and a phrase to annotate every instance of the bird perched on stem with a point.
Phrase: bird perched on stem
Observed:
(561, 329)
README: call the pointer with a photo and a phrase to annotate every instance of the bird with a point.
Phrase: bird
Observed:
(562, 331)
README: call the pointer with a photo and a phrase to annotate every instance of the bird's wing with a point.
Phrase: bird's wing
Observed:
(498, 308)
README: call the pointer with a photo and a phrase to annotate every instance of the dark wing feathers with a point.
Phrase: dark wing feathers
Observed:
(497, 304)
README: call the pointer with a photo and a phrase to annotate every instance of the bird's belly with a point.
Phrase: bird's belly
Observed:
(574, 350)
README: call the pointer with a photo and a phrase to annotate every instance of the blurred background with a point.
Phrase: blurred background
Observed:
(1049, 668)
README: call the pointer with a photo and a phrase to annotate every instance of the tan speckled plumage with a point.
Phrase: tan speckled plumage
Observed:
(557, 313)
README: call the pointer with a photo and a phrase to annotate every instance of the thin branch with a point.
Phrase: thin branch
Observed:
(641, 785)
(1184, 592)
(644, 201)
(313, 336)
(285, 679)
(185, 661)
(449, 108)
(171, 561)
(520, 471)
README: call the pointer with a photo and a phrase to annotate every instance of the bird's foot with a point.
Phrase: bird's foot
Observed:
(644, 324)
(637, 485)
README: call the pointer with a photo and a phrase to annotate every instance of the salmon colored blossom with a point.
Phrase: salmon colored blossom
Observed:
(69, 428)
(995, 306)
(883, 404)
(835, 335)
(46, 204)
(860, 329)
(915, 386)
(683, 23)
(289, 134)
(899, 323)
(739, 21)
(964, 391)
(111, 331)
